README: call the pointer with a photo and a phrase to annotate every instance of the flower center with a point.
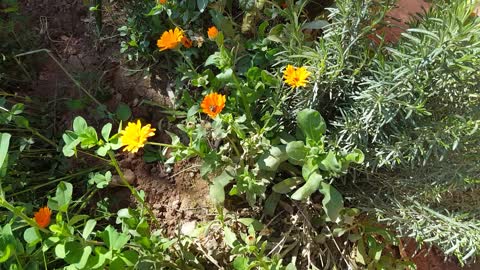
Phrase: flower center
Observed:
(213, 108)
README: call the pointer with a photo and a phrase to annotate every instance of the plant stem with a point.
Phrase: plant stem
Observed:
(166, 145)
(132, 190)
(21, 215)
(246, 106)
(189, 62)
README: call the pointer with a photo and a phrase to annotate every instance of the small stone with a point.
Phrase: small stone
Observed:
(157, 206)
(176, 204)
(188, 227)
(129, 176)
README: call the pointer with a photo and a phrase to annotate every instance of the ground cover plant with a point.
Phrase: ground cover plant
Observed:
(321, 141)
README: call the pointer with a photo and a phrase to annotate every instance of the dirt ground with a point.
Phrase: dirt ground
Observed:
(66, 29)
(177, 196)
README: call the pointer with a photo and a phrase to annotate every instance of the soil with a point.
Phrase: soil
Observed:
(68, 31)
(177, 195)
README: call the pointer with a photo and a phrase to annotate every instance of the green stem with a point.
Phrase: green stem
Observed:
(189, 62)
(45, 139)
(132, 190)
(246, 106)
(21, 215)
(55, 180)
(167, 145)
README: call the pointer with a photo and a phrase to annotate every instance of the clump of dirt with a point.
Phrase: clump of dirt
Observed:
(176, 198)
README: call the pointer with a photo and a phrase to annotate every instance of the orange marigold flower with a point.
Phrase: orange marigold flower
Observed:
(213, 104)
(134, 136)
(162, 1)
(42, 217)
(186, 42)
(296, 77)
(170, 39)
(212, 32)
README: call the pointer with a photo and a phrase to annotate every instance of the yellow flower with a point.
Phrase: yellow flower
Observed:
(42, 217)
(296, 77)
(212, 32)
(170, 39)
(134, 136)
(213, 104)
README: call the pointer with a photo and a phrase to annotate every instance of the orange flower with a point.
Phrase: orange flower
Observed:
(162, 1)
(213, 104)
(170, 39)
(212, 32)
(42, 217)
(187, 43)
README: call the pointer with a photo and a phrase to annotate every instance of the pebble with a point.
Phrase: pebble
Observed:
(129, 175)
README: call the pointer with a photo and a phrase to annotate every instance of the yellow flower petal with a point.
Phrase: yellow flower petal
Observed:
(170, 39)
(296, 77)
(134, 136)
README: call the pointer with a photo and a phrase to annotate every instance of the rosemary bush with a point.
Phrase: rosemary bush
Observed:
(402, 103)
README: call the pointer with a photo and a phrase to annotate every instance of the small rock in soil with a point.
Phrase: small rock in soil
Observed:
(188, 227)
(130, 176)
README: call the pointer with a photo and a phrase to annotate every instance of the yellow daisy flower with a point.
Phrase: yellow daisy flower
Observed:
(170, 39)
(134, 136)
(296, 77)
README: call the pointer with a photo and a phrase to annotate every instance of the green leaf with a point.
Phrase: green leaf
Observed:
(62, 198)
(356, 156)
(332, 201)
(361, 254)
(229, 237)
(257, 225)
(319, 24)
(287, 185)
(312, 185)
(330, 163)
(217, 191)
(226, 75)
(79, 125)
(296, 152)
(32, 236)
(77, 254)
(130, 257)
(60, 251)
(202, 4)
(240, 263)
(71, 141)
(269, 161)
(4, 143)
(113, 239)
(312, 124)
(88, 229)
(77, 218)
(309, 168)
(107, 128)
(123, 112)
(271, 204)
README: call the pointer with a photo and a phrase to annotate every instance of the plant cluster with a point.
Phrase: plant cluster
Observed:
(279, 105)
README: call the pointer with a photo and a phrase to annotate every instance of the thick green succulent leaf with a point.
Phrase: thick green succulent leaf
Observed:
(312, 185)
(312, 124)
(332, 201)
